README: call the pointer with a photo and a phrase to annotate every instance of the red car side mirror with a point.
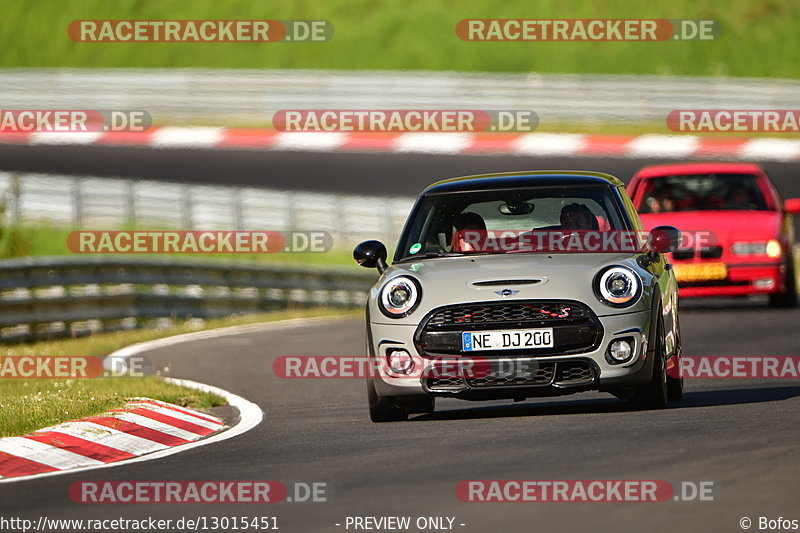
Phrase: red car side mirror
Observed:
(792, 205)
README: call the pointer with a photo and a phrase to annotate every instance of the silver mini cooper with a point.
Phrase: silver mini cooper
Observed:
(518, 285)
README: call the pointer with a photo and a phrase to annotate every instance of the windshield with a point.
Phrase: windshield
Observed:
(701, 192)
(439, 220)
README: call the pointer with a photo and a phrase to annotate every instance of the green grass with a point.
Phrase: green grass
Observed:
(30, 404)
(758, 38)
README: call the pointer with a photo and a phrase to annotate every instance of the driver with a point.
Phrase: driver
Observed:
(739, 196)
(577, 217)
(473, 225)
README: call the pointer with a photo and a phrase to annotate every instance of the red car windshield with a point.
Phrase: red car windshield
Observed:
(701, 192)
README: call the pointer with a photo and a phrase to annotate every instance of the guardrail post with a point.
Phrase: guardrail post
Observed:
(341, 224)
(238, 216)
(130, 204)
(16, 199)
(77, 203)
(187, 209)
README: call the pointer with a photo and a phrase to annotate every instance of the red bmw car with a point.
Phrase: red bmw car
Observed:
(738, 235)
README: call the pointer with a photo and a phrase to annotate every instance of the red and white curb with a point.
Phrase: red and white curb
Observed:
(142, 426)
(143, 429)
(106, 436)
(525, 144)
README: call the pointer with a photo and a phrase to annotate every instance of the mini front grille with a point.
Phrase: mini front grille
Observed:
(538, 376)
(508, 312)
(683, 254)
(571, 372)
(563, 373)
(576, 329)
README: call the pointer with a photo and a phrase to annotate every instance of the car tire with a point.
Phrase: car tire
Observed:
(788, 296)
(675, 385)
(674, 388)
(655, 394)
(383, 408)
(424, 405)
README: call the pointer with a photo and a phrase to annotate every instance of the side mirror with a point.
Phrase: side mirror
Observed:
(664, 239)
(792, 206)
(371, 254)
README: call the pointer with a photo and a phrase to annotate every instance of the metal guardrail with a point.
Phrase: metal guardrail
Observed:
(91, 202)
(66, 296)
(229, 96)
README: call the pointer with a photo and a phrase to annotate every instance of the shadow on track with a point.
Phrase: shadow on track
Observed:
(754, 303)
(707, 398)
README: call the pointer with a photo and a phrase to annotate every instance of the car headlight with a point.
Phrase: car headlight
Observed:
(618, 286)
(770, 248)
(399, 297)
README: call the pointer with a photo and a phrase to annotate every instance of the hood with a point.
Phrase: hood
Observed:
(566, 276)
(726, 226)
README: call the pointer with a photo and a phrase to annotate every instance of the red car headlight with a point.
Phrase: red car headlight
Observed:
(771, 248)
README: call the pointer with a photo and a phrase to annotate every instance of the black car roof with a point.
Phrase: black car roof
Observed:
(518, 180)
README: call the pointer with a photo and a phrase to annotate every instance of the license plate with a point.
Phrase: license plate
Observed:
(472, 341)
(701, 272)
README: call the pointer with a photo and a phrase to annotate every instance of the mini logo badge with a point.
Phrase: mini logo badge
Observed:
(505, 293)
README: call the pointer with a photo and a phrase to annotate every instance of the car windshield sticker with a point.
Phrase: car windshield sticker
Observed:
(415, 248)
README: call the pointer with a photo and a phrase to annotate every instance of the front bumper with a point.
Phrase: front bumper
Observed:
(547, 374)
(742, 280)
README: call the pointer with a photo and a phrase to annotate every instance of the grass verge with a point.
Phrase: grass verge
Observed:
(757, 38)
(30, 404)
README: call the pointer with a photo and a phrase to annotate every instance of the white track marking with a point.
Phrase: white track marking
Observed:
(311, 141)
(149, 423)
(176, 414)
(771, 149)
(170, 137)
(44, 453)
(434, 143)
(65, 137)
(549, 144)
(107, 436)
(663, 146)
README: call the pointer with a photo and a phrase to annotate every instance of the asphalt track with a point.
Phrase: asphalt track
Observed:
(740, 434)
(352, 173)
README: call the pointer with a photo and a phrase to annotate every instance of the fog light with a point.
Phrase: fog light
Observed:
(400, 361)
(620, 350)
(764, 283)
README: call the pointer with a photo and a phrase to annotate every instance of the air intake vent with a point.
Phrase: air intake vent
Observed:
(505, 282)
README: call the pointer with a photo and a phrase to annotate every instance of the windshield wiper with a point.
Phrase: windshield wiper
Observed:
(430, 255)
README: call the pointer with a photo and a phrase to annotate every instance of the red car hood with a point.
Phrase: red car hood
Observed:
(726, 226)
